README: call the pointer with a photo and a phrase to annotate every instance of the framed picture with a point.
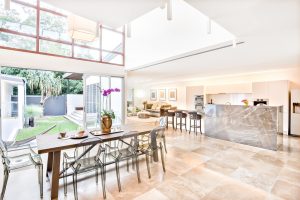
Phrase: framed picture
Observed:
(162, 94)
(172, 94)
(153, 95)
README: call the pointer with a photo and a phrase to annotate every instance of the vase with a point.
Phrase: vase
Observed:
(106, 124)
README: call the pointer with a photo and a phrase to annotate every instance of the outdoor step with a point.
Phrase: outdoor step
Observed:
(76, 118)
(80, 123)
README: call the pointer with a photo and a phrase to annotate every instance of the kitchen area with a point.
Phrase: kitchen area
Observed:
(249, 113)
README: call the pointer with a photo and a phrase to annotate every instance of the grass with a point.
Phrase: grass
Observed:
(44, 123)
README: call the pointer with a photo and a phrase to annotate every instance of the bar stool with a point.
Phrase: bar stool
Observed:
(180, 115)
(170, 114)
(194, 118)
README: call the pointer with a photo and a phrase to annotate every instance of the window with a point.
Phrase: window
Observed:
(17, 41)
(116, 99)
(55, 48)
(85, 53)
(112, 58)
(54, 26)
(22, 29)
(112, 41)
(19, 18)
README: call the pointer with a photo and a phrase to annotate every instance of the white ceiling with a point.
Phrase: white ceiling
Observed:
(113, 13)
(154, 38)
(269, 28)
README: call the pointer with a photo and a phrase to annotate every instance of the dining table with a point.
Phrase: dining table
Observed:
(52, 145)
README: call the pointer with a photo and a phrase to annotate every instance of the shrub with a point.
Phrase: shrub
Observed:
(33, 111)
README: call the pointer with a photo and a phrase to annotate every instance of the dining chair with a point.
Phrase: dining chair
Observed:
(124, 147)
(82, 161)
(145, 146)
(19, 162)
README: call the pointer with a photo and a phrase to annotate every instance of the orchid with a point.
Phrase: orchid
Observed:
(107, 92)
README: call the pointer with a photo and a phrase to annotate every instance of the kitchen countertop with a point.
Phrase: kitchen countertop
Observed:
(252, 125)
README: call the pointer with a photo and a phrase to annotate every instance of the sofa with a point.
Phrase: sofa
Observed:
(158, 109)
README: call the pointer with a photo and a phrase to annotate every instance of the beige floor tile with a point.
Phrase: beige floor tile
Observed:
(152, 194)
(180, 188)
(286, 190)
(290, 176)
(198, 167)
(230, 191)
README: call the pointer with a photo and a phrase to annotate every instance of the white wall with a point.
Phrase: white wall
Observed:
(11, 125)
(143, 94)
(74, 100)
(53, 63)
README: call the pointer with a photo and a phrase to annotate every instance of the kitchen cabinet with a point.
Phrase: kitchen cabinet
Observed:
(295, 112)
(229, 88)
(191, 92)
(260, 90)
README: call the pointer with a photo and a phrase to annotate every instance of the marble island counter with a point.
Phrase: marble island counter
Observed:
(253, 125)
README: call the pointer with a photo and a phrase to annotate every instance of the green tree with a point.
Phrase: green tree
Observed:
(33, 79)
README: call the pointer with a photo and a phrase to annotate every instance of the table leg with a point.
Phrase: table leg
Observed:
(49, 163)
(55, 175)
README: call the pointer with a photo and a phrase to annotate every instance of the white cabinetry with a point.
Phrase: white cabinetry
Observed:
(295, 114)
(229, 88)
(191, 92)
(260, 90)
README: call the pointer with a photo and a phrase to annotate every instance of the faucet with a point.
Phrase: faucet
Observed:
(228, 103)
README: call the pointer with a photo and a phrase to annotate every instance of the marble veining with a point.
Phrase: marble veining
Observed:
(253, 125)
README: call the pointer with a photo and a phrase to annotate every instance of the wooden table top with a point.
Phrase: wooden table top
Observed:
(50, 142)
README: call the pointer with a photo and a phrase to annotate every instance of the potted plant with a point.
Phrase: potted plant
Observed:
(106, 122)
(107, 115)
(31, 112)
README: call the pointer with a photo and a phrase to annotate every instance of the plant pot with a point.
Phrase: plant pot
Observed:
(31, 122)
(106, 124)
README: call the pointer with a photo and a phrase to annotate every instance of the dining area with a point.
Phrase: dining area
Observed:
(71, 159)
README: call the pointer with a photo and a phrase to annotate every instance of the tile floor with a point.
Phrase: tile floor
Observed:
(198, 167)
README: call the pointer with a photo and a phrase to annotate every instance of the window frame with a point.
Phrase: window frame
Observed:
(38, 37)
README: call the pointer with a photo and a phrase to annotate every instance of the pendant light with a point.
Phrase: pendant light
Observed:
(83, 29)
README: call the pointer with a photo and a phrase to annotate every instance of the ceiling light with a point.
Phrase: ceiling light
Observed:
(83, 29)
(129, 30)
(169, 10)
(7, 4)
(208, 26)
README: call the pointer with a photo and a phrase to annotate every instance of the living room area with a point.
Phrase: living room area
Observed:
(160, 99)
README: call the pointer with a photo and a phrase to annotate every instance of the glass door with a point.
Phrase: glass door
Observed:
(92, 101)
(96, 100)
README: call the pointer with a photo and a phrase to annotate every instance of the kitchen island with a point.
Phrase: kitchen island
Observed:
(252, 125)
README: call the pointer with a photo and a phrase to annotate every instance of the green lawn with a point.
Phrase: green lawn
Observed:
(45, 123)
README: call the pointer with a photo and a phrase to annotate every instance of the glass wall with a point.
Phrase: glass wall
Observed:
(34, 26)
(95, 101)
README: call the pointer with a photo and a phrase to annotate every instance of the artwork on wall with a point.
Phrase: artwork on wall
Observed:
(153, 95)
(172, 94)
(162, 94)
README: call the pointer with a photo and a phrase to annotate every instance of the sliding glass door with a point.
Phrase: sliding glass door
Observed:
(95, 99)
(92, 102)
